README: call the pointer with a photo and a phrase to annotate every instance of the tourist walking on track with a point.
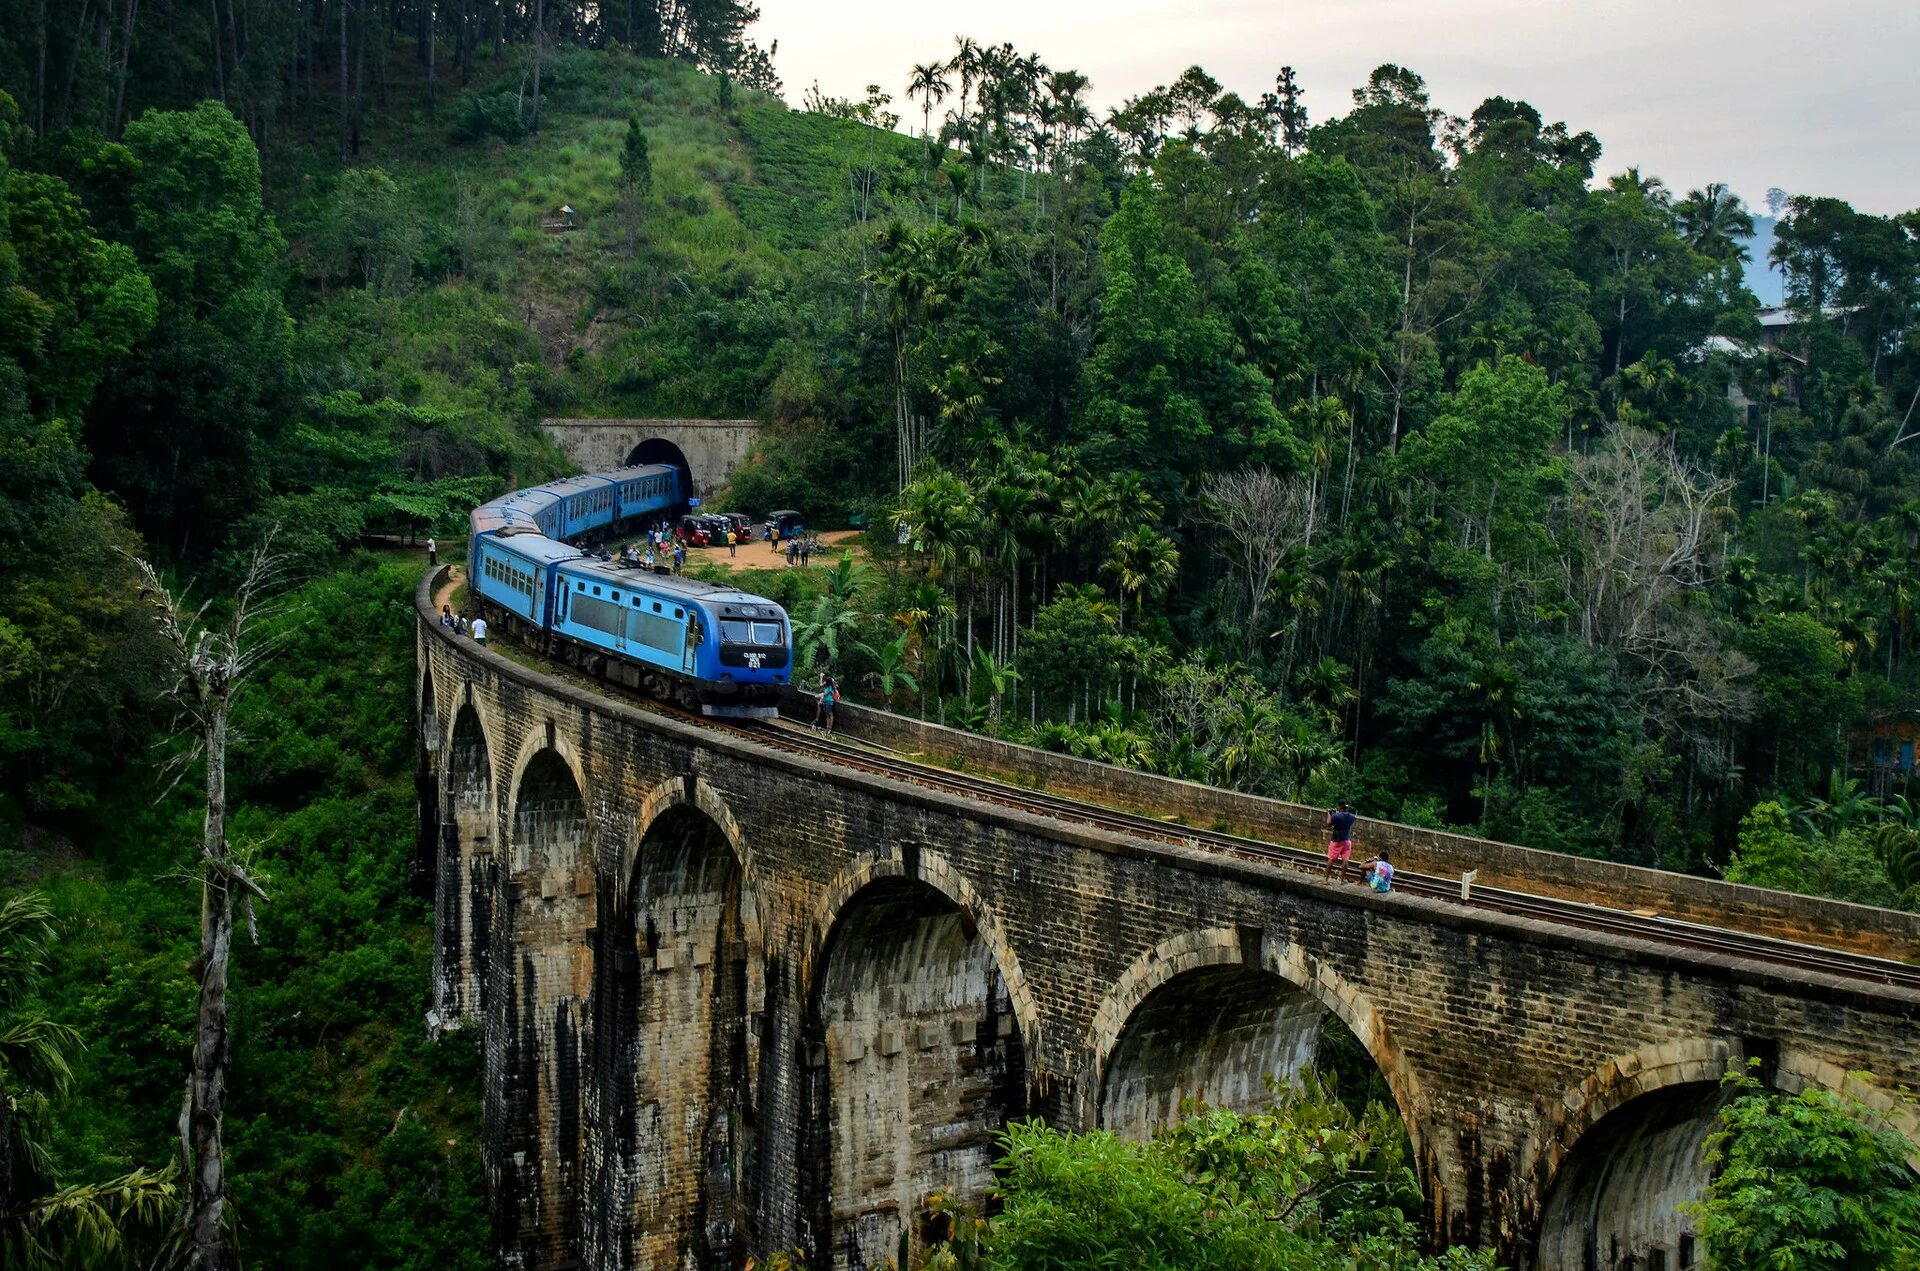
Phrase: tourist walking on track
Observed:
(1340, 823)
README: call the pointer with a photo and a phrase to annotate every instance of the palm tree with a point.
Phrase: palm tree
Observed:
(968, 62)
(1766, 379)
(846, 578)
(928, 82)
(999, 677)
(819, 630)
(1714, 222)
(42, 1224)
(890, 673)
(1143, 562)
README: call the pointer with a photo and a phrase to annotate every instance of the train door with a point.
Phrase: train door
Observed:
(694, 639)
(619, 633)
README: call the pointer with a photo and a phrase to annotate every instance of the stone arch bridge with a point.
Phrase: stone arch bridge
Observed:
(734, 999)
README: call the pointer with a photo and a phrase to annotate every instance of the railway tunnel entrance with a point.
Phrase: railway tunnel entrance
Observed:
(660, 450)
(916, 1065)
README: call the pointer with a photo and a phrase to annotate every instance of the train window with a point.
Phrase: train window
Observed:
(766, 633)
(596, 591)
(679, 613)
(615, 595)
(733, 632)
(656, 606)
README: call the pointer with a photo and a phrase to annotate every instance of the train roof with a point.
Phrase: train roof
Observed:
(528, 543)
(575, 485)
(534, 497)
(612, 571)
(631, 471)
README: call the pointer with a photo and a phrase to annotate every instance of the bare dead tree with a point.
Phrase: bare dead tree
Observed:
(1648, 537)
(211, 662)
(1264, 517)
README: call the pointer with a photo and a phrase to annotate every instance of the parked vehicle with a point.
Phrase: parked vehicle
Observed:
(787, 521)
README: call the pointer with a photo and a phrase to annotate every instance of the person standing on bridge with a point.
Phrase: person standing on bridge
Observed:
(1340, 822)
(479, 630)
(829, 700)
(433, 551)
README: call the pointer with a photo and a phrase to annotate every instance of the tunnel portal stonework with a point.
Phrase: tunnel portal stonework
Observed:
(732, 999)
(711, 448)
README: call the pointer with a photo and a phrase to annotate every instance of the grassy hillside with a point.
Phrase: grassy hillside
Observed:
(430, 277)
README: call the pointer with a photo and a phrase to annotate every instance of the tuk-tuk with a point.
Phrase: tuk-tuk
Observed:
(693, 531)
(785, 523)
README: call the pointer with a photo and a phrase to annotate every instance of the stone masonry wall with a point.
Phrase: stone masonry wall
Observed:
(1502, 1040)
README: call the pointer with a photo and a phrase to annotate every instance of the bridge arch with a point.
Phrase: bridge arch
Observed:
(431, 733)
(916, 1055)
(1799, 1070)
(1252, 952)
(660, 450)
(1622, 1150)
(544, 748)
(938, 873)
(428, 757)
(464, 870)
(669, 1041)
(1627, 1144)
(536, 1003)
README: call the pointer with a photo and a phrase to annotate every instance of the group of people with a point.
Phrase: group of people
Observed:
(800, 548)
(458, 624)
(1376, 873)
(635, 554)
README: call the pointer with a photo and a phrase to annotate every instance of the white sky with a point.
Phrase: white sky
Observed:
(1813, 96)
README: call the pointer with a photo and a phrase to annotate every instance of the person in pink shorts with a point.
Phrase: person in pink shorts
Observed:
(1340, 822)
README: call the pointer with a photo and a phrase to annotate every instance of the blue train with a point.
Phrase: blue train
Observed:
(709, 648)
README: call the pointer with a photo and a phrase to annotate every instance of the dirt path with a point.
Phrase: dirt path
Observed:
(443, 595)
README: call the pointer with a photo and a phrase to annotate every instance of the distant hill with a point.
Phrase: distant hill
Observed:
(1763, 279)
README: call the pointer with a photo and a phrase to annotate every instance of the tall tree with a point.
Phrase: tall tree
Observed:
(1714, 222)
(212, 665)
(636, 177)
(928, 82)
(183, 435)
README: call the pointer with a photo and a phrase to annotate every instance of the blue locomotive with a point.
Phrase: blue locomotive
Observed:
(709, 648)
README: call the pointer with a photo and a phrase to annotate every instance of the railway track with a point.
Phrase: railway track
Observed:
(1673, 932)
(797, 739)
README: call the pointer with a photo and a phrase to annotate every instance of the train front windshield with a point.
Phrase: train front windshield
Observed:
(766, 635)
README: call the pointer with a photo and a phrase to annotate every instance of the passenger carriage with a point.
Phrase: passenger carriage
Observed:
(714, 649)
